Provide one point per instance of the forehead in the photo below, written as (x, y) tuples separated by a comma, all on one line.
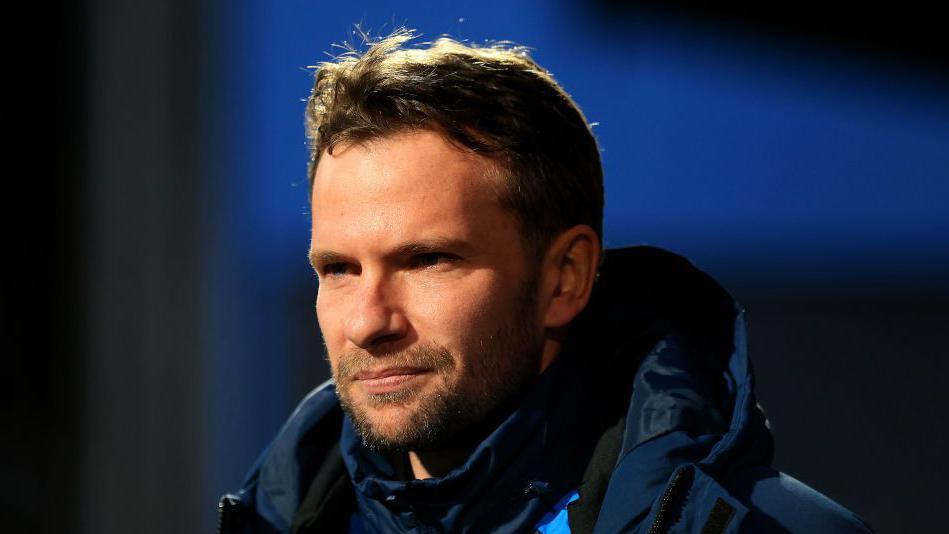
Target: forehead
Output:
[(407, 185)]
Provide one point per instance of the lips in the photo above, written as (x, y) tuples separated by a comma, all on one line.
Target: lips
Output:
[(389, 379), (390, 371)]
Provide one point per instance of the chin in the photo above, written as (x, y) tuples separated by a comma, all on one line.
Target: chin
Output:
[(391, 415), (389, 422)]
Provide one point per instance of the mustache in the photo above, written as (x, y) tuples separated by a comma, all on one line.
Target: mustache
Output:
[(433, 357)]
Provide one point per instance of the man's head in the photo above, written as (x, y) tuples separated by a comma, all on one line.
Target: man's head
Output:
[(457, 199)]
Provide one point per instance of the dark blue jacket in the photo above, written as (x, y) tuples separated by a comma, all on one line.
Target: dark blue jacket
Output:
[(649, 414)]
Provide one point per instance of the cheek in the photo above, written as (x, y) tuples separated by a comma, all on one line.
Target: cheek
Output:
[(330, 326), (458, 316), (321, 317)]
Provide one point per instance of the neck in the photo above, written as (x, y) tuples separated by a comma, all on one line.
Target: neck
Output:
[(435, 464)]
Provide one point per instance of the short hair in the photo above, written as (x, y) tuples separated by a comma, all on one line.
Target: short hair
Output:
[(493, 99)]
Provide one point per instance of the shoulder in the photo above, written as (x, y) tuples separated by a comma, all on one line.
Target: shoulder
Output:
[(278, 481), (778, 502)]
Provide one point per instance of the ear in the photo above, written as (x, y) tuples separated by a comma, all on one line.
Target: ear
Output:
[(569, 269)]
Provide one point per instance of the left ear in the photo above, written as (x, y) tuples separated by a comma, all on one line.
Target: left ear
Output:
[(569, 269)]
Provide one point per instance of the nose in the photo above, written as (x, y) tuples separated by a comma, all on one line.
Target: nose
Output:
[(375, 316)]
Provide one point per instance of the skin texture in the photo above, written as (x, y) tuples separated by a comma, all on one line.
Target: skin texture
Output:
[(431, 312)]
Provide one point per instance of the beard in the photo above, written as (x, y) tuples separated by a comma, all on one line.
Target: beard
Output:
[(499, 366)]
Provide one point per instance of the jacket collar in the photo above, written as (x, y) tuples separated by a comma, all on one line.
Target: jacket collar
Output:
[(692, 415)]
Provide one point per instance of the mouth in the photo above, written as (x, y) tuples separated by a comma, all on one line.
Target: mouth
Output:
[(389, 380)]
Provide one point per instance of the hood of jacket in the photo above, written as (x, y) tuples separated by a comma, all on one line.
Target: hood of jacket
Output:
[(661, 353)]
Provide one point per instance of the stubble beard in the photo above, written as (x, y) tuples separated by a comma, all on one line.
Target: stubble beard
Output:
[(508, 359)]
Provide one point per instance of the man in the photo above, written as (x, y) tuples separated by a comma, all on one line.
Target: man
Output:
[(488, 374)]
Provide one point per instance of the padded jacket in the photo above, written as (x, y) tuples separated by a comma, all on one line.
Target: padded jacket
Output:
[(648, 416)]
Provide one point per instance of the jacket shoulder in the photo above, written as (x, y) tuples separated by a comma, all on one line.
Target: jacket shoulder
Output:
[(277, 483), (778, 502)]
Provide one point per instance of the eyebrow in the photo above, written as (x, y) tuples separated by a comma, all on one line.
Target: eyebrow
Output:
[(432, 245), (325, 257), (423, 246)]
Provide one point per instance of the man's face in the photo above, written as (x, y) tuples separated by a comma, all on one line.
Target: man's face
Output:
[(426, 298)]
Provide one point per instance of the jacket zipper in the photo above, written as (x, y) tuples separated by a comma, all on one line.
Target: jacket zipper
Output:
[(670, 502)]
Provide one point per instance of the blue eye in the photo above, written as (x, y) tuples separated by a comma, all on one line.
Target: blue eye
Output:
[(427, 260), (335, 269), (431, 259)]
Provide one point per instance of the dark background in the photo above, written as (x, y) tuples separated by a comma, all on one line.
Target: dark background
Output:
[(158, 310)]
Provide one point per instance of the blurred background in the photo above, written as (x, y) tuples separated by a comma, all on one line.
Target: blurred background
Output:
[(157, 314)]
